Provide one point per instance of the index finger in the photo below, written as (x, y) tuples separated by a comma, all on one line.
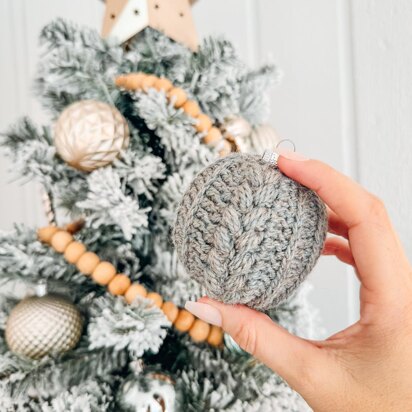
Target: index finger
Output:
[(374, 243)]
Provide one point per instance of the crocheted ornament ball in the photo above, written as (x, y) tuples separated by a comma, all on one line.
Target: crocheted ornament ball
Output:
[(248, 233)]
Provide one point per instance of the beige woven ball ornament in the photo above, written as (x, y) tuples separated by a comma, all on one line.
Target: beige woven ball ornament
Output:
[(42, 325), (90, 134)]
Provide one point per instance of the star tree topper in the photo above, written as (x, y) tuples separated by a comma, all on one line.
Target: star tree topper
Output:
[(126, 18)]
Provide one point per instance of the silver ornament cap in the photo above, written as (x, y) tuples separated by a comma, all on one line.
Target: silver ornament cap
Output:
[(43, 325)]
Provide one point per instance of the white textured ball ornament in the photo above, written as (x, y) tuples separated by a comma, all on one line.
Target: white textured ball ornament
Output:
[(90, 134), (43, 325), (262, 138)]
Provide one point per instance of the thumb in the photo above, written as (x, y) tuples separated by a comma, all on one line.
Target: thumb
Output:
[(294, 359)]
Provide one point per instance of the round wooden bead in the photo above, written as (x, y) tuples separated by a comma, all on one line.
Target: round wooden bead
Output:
[(191, 108), (87, 263), (135, 290), (104, 273), (226, 149), (199, 331), (177, 96), (135, 81), (61, 240), (156, 298), (119, 284), (215, 337), (204, 123), (213, 137), (74, 251), (163, 84), (45, 234), (184, 321), (120, 81), (170, 310), (132, 81), (148, 81)]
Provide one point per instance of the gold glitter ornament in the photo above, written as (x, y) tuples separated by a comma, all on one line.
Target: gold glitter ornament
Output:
[(43, 325), (90, 134)]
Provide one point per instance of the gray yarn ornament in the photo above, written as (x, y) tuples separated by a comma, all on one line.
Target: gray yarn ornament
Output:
[(247, 233)]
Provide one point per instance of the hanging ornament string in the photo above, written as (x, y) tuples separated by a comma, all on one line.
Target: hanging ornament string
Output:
[(48, 207), (118, 284), (212, 136)]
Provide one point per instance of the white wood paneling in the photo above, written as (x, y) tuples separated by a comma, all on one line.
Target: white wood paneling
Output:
[(17, 203), (345, 97), (383, 74)]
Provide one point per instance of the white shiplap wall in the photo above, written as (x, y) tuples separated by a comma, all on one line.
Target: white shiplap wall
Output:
[(345, 97)]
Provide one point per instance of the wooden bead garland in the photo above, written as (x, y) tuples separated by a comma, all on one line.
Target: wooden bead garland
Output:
[(60, 240), (199, 331), (87, 263), (74, 251), (105, 274), (119, 284), (184, 321), (156, 298), (212, 135)]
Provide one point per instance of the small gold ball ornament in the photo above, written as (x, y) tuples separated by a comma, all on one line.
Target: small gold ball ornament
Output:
[(90, 134), (43, 325), (238, 130), (237, 127)]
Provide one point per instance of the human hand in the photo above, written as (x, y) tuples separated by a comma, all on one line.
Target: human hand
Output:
[(368, 366)]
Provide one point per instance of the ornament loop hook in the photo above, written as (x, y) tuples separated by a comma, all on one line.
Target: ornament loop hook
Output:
[(286, 141), (272, 157)]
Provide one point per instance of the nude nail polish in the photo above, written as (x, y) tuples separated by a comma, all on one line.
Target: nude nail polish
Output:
[(205, 312)]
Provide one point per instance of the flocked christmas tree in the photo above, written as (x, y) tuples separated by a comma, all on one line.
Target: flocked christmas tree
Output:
[(123, 171)]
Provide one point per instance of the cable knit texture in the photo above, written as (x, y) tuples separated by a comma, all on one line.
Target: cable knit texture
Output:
[(248, 233)]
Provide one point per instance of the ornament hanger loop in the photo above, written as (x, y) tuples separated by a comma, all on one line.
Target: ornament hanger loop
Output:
[(272, 157), (287, 141)]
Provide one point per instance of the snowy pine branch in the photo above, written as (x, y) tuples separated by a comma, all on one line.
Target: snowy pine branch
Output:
[(106, 203), (48, 378), (23, 257), (138, 327), (77, 64), (92, 396), (141, 174)]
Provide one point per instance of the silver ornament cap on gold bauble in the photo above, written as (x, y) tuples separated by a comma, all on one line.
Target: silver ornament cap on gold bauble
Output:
[(90, 134), (43, 325)]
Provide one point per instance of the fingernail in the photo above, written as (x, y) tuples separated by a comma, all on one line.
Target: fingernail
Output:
[(290, 155), (205, 312)]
